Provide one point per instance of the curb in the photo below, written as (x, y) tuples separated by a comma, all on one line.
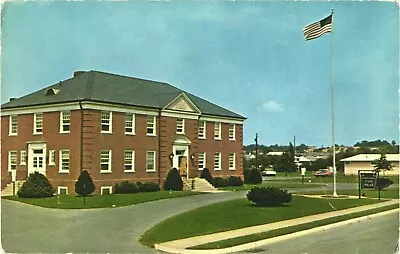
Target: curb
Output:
[(257, 244)]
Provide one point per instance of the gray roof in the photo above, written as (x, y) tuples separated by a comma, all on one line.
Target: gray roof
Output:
[(116, 89)]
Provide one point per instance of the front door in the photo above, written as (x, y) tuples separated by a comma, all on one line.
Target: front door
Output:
[(183, 165), (37, 158)]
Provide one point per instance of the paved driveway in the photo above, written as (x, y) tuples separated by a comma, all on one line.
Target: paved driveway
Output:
[(26, 228)]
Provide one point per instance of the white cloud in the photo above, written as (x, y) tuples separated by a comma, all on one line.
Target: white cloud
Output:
[(272, 106)]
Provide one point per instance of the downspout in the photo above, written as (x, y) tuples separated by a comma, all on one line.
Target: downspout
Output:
[(81, 139), (159, 147)]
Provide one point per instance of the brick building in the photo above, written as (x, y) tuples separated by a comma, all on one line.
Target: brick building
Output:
[(118, 128)]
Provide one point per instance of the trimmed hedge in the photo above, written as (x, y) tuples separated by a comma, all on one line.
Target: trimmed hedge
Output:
[(148, 187), (126, 187), (173, 181), (235, 181), (268, 196), (36, 186), (220, 182), (205, 173)]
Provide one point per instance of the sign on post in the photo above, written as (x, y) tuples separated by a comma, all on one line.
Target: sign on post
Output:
[(368, 180)]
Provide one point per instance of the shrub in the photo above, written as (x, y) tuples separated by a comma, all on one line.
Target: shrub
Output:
[(382, 183), (173, 181), (126, 187), (220, 182), (254, 176), (148, 187), (36, 186), (84, 186), (246, 175), (205, 173), (235, 181), (268, 196)]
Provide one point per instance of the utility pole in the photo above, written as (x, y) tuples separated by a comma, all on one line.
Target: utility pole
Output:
[(256, 139)]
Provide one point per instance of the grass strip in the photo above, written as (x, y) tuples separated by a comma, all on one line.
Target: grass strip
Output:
[(100, 201), (288, 230)]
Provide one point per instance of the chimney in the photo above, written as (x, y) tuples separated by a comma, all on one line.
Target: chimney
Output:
[(12, 98), (76, 73)]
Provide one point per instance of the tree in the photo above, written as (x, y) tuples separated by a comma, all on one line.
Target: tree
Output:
[(84, 186), (393, 142), (173, 181), (286, 163), (382, 164)]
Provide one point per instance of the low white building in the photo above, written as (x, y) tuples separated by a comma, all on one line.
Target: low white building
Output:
[(364, 162)]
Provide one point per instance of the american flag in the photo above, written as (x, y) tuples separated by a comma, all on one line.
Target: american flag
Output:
[(318, 28)]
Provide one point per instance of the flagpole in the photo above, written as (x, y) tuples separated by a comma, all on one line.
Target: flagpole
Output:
[(333, 114)]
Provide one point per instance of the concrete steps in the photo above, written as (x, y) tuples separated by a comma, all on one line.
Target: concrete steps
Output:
[(202, 185), (8, 190)]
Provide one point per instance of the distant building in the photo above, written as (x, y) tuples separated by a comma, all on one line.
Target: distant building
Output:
[(274, 153), (364, 162)]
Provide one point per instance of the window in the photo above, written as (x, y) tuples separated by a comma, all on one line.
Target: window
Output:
[(38, 123), (202, 129), (129, 123), (232, 128), (13, 126), (12, 160), (151, 125), (62, 190), (217, 130), (129, 161), (64, 161), (180, 126), (150, 161), (22, 158), (65, 122), (232, 161), (106, 190), (105, 161), (52, 157), (202, 161), (217, 161), (106, 122)]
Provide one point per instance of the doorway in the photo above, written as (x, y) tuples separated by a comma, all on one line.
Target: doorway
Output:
[(37, 158)]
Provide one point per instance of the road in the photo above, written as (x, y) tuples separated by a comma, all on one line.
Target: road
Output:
[(375, 235)]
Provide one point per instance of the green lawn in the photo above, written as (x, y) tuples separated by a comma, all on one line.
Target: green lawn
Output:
[(239, 213), (288, 230), (370, 193), (284, 185), (100, 201)]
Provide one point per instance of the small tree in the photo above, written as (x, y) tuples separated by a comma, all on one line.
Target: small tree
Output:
[(382, 164), (254, 176), (84, 186), (36, 186), (173, 181)]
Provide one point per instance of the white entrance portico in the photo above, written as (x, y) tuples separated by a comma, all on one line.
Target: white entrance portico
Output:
[(37, 158), (180, 161)]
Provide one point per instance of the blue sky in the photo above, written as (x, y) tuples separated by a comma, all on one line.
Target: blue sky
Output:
[(247, 56)]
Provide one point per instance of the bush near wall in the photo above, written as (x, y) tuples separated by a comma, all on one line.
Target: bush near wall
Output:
[(173, 181), (148, 187), (268, 196), (36, 186), (235, 181), (205, 174), (220, 182), (126, 187)]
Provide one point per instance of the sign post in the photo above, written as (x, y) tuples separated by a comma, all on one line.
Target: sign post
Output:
[(367, 180)]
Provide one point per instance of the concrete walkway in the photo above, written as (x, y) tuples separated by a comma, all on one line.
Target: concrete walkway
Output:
[(180, 246)]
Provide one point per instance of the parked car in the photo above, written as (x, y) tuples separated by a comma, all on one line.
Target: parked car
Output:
[(268, 173), (322, 172)]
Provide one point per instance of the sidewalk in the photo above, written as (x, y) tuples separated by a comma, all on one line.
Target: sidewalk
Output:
[(180, 246)]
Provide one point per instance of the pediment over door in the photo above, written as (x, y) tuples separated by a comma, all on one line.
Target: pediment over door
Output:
[(182, 103)]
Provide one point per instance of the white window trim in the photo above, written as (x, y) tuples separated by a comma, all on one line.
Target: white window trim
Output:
[(234, 132), (133, 124), (234, 161), (61, 122), (204, 130), (133, 162), (60, 170), (220, 162), (204, 161), (59, 188), (154, 159), (183, 126), (109, 162), (154, 127), (219, 131), (9, 160), (34, 123), (102, 188), (109, 124), (10, 133), (52, 161), (22, 158)]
